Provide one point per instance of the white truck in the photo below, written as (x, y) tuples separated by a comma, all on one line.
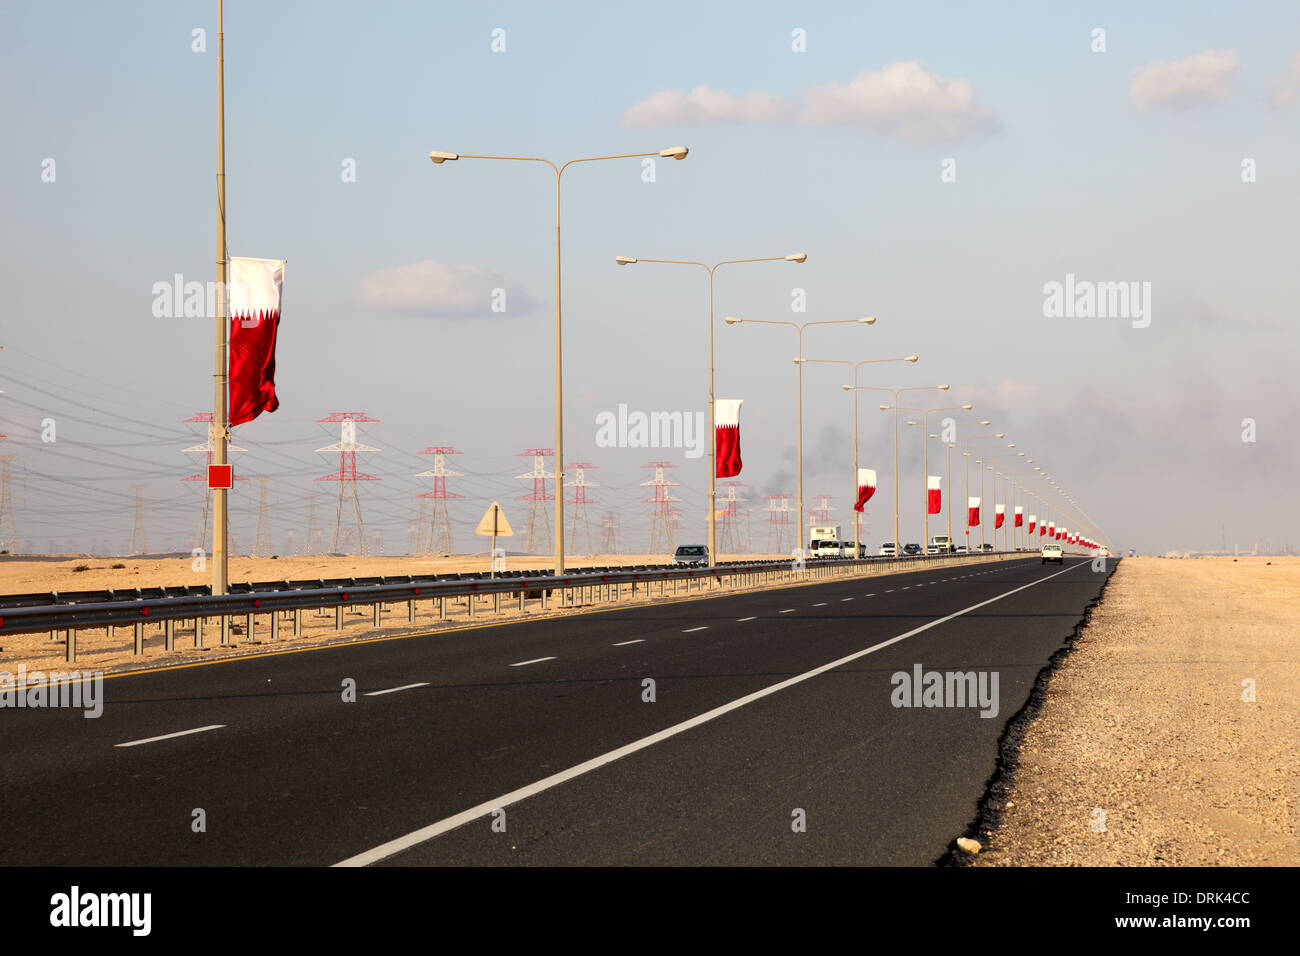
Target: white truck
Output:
[(824, 542), (939, 544)]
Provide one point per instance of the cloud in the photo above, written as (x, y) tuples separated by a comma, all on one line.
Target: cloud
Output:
[(904, 100), (1201, 78), (703, 106), (439, 289), (1287, 91)]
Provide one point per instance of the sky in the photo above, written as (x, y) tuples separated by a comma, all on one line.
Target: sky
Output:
[(941, 165)]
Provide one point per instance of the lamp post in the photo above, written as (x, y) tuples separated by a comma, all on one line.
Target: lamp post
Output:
[(966, 455), (439, 157), (857, 546), (950, 444), (992, 463), (898, 548), (798, 360), (925, 424), (713, 450)]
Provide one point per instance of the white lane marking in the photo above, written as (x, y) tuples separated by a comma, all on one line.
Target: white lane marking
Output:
[(179, 733), (872, 594), (820, 604), (535, 660), (424, 834), (907, 587), (786, 611), (692, 630), (394, 690), (742, 620), (890, 591), (639, 640), (842, 600)]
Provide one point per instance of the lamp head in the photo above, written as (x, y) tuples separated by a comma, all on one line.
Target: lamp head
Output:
[(868, 320), (732, 320), (439, 156), (625, 260), (797, 257), (674, 152)]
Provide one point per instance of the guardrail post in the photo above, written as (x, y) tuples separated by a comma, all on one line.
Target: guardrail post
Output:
[(225, 630), (410, 611), (522, 595), (338, 617), (198, 633), (275, 626), (543, 599), (70, 649), (442, 608), (496, 602), (169, 635), (470, 601), (297, 622), (138, 649), (248, 628), (378, 609)]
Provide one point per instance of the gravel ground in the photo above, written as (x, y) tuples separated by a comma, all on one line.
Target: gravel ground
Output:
[(1145, 751)]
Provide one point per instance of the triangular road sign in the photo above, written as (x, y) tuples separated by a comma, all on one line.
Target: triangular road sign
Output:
[(494, 523)]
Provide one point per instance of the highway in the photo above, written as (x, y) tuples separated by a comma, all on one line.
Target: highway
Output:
[(770, 708)]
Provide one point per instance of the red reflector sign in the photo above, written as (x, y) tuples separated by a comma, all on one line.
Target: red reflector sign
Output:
[(221, 476)]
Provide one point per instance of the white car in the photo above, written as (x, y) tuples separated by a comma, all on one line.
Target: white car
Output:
[(888, 550), (1053, 552)]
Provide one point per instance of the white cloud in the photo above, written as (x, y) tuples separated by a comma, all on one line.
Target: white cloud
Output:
[(1204, 77), (437, 288), (704, 105), (1287, 91), (902, 99)]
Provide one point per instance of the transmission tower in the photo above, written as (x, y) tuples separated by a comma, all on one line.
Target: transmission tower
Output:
[(207, 449), (263, 547), (609, 533), (728, 520), (139, 544), (435, 535), (822, 513), (580, 484), (661, 515), (532, 543), (347, 477), (778, 524), (315, 542), (290, 546), (8, 526)]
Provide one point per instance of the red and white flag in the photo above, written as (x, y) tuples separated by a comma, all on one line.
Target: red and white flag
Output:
[(726, 436), (1051, 528), (866, 487), (1020, 516), (1042, 530), (934, 497), (999, 516), (255, 286), (1033, 520), (972, 512)]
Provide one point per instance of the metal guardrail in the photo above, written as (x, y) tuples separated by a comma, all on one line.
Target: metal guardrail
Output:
[(167, 610)]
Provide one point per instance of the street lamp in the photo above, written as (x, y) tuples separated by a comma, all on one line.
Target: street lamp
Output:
[(856, 365), (898, 548), (713, 451), (439, 157), (798, 327), (925, 424)]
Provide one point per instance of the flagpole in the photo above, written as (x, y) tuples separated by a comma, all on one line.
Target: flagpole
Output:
[(220, 517)]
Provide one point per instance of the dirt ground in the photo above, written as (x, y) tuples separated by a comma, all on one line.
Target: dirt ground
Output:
[(99, 650), (1170, 735)]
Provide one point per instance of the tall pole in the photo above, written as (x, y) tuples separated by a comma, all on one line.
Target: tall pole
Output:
[(857, 524), (898, 546), (713, 443), (799, 437), (983, 506), (220, 516), (950, 542), (559, 399), (925, 458)]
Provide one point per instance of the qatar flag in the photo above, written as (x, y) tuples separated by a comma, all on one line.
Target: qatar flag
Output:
[(866, 487), (255, 286), (726, 436), (1033, 520), (1020, 516), (934, 496), (1042, 530), (972, 512), (999, 516)]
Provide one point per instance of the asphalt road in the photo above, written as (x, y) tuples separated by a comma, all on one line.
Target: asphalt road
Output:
[(770, 709)]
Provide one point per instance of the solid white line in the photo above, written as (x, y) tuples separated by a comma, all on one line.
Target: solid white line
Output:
[(742, 620), (179, 733), (842, 600), (394, 690), (821, 604), (639, 640), (535, 660), (692, 630), (890, 591), (424, 834), (872, 594), (786, 611)]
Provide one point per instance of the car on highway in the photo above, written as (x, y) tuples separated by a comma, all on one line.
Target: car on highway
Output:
[(691, 554), (986, 547), (960, 549), (911, 549), (887, 550), (1053, 552)]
